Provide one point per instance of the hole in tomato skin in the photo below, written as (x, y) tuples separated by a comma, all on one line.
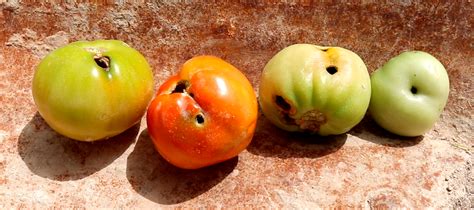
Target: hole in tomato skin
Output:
[(181, 87), (102, 61), (324, 50), (331, 69), (413, 90), (199, 119), (281, 102)]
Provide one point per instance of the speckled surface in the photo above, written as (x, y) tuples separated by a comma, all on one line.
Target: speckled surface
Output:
[(366, 167)]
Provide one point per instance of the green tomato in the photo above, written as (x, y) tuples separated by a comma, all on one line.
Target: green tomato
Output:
[(323, 90), (409, 93), (92, 90)]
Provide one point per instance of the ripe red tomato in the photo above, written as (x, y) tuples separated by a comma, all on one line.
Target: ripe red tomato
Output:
[(204, 115)]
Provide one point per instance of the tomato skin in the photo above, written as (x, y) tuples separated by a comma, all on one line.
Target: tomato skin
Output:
[(209, 121), (84, 101), (394, 104), (315, 89)]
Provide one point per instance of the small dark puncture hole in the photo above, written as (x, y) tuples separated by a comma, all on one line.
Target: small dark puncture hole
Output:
[(191, 94), (181, 87), (102, 61), (199, 119), (324, 50), (413, 90), (331, 69), (281, 102)]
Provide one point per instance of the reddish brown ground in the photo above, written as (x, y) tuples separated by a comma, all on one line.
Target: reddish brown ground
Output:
[(367, 167)]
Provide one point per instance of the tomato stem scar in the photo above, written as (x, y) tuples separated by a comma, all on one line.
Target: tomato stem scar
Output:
[(102, 61), (181, 87), (414, 90), (331, 69)]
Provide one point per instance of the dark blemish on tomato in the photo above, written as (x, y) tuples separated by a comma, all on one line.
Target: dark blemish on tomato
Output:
[(199, 119), (331, 69), (281, 102), (102, 61), (181, 86), (413, 90)]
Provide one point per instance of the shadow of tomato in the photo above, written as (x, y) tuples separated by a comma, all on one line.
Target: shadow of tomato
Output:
[(157, 180), (53, 156), (369, 130), (270, 141)]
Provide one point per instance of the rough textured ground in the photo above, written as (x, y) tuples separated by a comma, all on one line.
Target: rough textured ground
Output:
[(366, 167)]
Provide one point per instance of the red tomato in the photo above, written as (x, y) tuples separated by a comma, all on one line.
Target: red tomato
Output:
[(204, 115)]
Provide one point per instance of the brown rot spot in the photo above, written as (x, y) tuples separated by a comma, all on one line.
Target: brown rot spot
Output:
[(311, 121), (281, 102), (200, 119), (414, 90), (331, 69), (181, 86), (102, 61)]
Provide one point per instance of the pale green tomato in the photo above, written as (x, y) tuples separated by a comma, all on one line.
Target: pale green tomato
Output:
[(92, 90), (324, 90), (409, 93)]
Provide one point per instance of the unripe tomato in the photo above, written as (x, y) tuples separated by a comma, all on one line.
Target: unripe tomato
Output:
[(93, 90), (204, 115), (409, 93), (323, 90)]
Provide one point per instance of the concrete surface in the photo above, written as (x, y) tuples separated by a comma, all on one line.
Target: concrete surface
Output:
[(366, 168)]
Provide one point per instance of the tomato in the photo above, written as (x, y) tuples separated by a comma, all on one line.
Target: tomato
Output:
[(323, 90), (204, 115), (409, 93), (92, 90)]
